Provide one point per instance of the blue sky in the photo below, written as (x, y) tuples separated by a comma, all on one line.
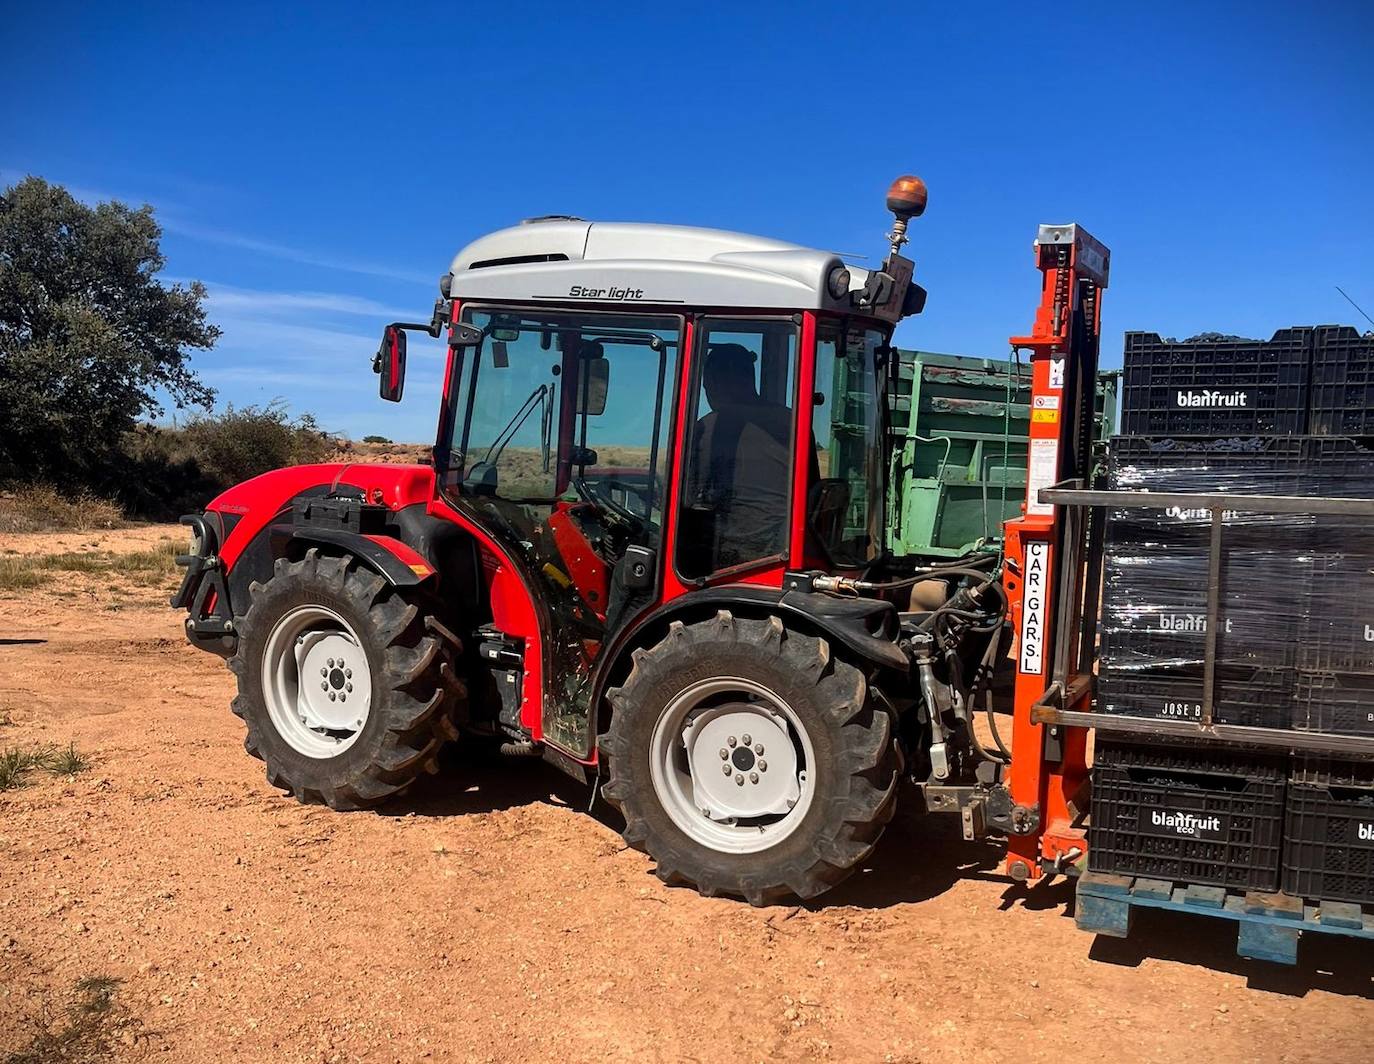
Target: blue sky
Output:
[(317, 167)]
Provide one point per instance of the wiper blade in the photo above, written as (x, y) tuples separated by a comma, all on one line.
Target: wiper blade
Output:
[(538, 397)]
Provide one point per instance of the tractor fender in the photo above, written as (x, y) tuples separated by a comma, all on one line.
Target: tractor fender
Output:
[(866, 628), (396, 562)]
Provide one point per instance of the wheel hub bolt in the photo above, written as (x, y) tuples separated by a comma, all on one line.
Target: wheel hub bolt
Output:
[(348, 687), (330, 663), (348, 673), (758, 748), (332, 696), (747, 740), (324, 685), (731, 741), (753, 777), (324, 672), (763, 766), (724, 753), (725, 769), (343, 697), (739, 781)]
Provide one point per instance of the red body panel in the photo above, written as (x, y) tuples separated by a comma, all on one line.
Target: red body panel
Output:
[(408, 555), (513, 612), (261, 499)]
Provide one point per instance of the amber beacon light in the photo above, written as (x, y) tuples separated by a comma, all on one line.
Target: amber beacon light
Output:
[(906, 199)]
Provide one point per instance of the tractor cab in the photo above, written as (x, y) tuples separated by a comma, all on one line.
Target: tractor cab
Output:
[(638, 413)]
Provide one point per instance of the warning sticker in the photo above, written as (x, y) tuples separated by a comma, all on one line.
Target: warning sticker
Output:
[(1033, 608), (1043, 473), (1057, 373), (1050, 417)]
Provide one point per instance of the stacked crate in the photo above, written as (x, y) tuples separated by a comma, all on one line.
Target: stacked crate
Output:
[(1154, 622), (1329, 826), (1328, 850), (1295, 639)]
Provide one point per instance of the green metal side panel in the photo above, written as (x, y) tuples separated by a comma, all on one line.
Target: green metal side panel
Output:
[(958, 433)]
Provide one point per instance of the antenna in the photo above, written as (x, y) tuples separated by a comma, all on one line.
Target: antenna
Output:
[(1355, 305)]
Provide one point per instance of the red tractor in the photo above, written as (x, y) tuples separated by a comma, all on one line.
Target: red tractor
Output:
[(649, 548)]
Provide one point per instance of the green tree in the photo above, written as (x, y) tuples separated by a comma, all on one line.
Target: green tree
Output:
[(89, 337)]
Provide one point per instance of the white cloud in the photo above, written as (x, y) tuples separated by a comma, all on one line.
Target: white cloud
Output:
[(242, 302), (282, 251), (173, 222)]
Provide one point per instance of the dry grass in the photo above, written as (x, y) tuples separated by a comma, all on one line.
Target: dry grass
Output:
[(85, 1029), (42, 508), (18, 574), (149, 567)]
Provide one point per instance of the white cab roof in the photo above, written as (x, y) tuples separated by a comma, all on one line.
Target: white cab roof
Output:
[(566, 260)]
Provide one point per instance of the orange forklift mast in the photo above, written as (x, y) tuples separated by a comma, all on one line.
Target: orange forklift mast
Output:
[(1053, 605)]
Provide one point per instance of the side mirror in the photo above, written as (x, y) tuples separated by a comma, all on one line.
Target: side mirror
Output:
[(390, 363), (595, 380)]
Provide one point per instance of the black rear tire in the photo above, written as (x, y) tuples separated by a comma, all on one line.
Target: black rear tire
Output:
[(850, 727), (415, 690)]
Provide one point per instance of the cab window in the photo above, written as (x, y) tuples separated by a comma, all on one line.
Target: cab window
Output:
[(737, 475), (844, 500)]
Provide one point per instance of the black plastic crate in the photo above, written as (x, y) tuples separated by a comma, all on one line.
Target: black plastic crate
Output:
[(1154, 606), (1250, 465), (1328, 851), (1342, 383), (1260, 698), (1335, 703), (1306, 466), (1216, 387), (1187, 814), (1337, 627)]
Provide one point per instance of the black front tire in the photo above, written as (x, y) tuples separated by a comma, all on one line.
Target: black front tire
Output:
[(414, 687), (850, 726)]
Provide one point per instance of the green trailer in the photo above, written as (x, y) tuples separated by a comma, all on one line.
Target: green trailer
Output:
[(958, 431)]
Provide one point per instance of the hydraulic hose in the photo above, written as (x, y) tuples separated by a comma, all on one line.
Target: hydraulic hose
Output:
[(986, 668), (842, 583)]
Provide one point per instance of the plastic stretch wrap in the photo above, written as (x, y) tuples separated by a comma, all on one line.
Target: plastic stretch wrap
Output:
[(1296, 591)]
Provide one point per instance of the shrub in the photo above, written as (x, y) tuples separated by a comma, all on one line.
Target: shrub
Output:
[(162, 472), (241, 443), (42, 508), (376, 439), (167, 472)]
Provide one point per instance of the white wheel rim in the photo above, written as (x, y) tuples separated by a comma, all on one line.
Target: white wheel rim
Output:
[(747, 800), (316, 682)]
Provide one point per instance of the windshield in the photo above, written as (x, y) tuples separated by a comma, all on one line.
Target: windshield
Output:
[(551, 403), (845, 504)]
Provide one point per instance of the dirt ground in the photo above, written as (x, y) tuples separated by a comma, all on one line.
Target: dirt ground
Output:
[(491, 917)]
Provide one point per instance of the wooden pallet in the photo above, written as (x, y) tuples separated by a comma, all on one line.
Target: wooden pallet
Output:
[(1268, 925)]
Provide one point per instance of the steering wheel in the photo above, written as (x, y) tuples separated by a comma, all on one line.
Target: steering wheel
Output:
[(623, 514)]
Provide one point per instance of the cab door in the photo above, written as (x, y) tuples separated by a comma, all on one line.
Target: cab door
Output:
[(738, 476)]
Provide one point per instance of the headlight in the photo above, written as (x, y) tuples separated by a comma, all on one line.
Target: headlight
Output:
[(838, 283)]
